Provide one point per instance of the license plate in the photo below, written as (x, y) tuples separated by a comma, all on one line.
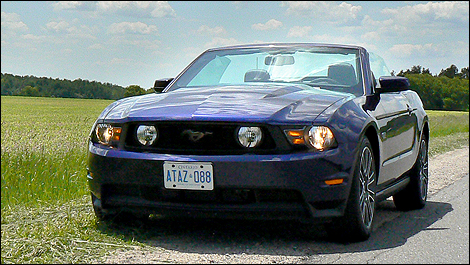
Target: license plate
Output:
[(188, 176)]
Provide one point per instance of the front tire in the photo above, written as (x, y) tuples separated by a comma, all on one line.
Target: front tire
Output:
[(414, 196), (356, 224)]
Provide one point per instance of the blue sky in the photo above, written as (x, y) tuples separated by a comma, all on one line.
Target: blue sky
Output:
[(134, 43)]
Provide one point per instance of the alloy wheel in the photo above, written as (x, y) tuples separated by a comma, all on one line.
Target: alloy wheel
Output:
[(366, 184), (423, 170)]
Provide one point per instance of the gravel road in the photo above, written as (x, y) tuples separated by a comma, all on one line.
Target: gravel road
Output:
[(264, 242)]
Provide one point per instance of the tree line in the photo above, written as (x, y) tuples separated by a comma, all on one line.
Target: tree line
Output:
[(14, 85), (447, 90)]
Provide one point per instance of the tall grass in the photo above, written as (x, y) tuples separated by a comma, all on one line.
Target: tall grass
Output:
[(43, 148), (448, 130), (442, 123), (66, 234)]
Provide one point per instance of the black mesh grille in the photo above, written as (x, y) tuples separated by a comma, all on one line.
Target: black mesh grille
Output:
[(219, 196), (214, 138)]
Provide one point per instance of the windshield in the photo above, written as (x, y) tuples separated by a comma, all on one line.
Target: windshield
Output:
[(335, 69)]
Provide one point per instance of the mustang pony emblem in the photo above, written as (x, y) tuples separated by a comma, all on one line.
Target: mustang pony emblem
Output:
[(195, 136)]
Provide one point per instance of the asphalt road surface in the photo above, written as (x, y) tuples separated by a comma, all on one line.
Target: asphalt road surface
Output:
[(439, 233)]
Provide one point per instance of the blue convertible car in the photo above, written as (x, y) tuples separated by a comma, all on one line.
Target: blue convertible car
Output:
[(306, 132)]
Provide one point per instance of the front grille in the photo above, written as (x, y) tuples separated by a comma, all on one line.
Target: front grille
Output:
[(218, 138), (231, 196)]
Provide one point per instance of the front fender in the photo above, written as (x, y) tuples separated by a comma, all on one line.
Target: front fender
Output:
[(349, 123)]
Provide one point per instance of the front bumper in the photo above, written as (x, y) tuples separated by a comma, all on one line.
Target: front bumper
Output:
[(288, 186)]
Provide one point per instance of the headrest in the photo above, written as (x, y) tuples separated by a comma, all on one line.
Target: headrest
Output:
[(343, 73), (257, 75)]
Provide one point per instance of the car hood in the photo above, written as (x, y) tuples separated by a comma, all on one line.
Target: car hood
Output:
[(254, 103)]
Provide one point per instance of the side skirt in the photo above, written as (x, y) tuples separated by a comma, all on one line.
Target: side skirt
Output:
[(393, 188)]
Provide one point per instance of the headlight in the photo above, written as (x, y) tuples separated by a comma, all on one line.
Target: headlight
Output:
[(317, 137), (106, 133), (320, 137), (250, 137), (147, 134)]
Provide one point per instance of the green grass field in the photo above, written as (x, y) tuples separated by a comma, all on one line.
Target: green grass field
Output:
[(44, 148), (46, 210), (448, 130)]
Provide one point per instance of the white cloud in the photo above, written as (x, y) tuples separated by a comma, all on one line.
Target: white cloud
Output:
[(371, 36), (298, 31), (435, 56), (83, 32), (123, 42), (270, 25), (431, 11), (61, 26), (206, 30), (419, 50), (12, 22), (31, 37), (74, 5), (324, 10), (406, 50), (126, 8), (132, 27), (137, 8), (163, 9), (68, 31), (369, 22), (421, 21)]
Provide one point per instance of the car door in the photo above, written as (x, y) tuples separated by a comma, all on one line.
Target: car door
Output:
[(398, 127)]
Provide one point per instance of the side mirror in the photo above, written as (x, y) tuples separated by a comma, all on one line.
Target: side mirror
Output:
[(160, 84), (392, 84)]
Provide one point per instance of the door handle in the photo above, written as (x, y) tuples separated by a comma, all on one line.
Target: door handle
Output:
[(410, 110)]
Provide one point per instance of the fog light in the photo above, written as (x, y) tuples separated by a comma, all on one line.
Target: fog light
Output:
[(147, 135), (250, 137)]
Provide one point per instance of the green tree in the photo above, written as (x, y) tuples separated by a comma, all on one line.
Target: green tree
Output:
[(134, 90), (464, 73), (450, 72), (48, 87), (441, 93), (415, 69), (30, 91), (426, 71)]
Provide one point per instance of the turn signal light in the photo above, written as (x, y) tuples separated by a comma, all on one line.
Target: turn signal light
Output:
[(334, 181)]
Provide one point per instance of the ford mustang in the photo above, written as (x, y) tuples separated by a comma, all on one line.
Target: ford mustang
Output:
[(293, 131)]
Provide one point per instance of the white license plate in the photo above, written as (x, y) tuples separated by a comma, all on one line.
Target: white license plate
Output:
[(188, 175)]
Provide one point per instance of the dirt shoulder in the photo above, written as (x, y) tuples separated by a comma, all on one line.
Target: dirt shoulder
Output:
[(445, 169)]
